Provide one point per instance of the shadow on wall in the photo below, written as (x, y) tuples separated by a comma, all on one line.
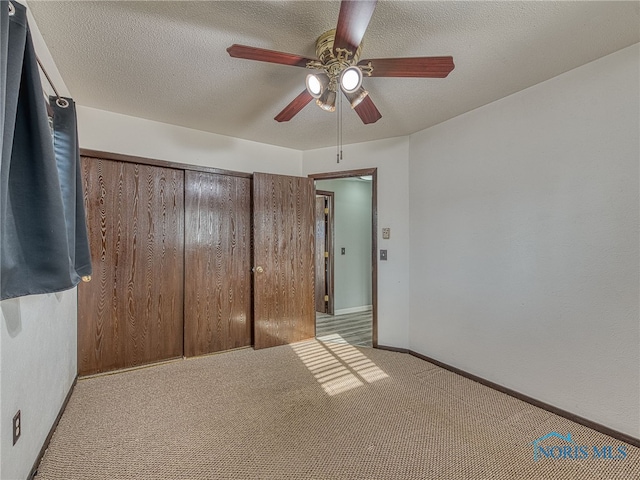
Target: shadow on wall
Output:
[(12, 313), (12, 316)]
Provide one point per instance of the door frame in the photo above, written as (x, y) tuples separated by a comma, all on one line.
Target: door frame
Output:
[(374, 230)]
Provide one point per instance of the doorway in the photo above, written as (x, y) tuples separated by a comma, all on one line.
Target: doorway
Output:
[(346, 266)]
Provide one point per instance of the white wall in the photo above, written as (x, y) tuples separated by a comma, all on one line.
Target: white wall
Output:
[(524, 241), (352, 231), (116, 133), (38, 345), (390, 156)]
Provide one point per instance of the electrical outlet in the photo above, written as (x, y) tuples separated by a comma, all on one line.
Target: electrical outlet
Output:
[(386, 233), (17, 427)]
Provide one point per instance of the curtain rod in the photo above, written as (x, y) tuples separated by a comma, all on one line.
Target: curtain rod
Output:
[(55, 90), (60, 101)]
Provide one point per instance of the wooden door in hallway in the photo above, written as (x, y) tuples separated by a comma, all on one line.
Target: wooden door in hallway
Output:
[(283, 223), (217, 309), (131, 312), (324, 252), (321, 242)]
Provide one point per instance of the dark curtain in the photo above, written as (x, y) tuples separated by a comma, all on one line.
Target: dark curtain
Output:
[(43, 235)]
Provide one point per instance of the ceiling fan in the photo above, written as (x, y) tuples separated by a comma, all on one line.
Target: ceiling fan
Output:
[(340, 67)]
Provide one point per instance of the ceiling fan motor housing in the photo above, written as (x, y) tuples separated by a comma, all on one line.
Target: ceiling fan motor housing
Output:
[(332, 64), (324, 48)]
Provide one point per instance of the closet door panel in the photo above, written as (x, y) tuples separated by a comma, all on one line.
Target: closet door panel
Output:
[(284, 258), (217, 262), (131, 312)]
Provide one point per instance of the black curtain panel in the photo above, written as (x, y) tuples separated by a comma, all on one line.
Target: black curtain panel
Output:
[(67, 152), (44, 246), (4, 49)]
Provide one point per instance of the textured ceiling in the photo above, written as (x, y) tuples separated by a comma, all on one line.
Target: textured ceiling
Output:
[(167, 61)]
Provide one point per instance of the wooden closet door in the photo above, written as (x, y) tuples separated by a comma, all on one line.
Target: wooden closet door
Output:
[(217, 263), (284, 249), (131, 311)]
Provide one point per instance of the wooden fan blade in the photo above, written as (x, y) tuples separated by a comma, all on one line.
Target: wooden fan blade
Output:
[(294, 107), (367, 111), (352, 23), (422, 67), (270, 56)]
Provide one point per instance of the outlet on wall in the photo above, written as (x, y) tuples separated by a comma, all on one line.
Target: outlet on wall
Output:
[(17, 427)]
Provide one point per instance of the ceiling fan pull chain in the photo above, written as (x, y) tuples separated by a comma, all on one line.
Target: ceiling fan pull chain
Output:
[(338, 131), (341, 126)]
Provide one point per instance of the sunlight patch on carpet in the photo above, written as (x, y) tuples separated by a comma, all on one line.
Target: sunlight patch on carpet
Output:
[(358, 362), (337, 366)]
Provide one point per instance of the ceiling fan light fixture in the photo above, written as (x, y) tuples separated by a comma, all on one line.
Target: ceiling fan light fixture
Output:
[(316, 84), (356, 97), (327, 101), (351, 79)]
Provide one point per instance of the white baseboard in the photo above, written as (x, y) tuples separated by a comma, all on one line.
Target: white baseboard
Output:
[(344, 311)]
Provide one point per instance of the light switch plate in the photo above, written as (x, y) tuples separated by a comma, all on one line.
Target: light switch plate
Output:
[(386, 233), (17, 427), (383, 254)]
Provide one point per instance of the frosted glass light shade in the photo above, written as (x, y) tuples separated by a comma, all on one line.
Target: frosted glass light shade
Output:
[(351, 79), (314, 86)]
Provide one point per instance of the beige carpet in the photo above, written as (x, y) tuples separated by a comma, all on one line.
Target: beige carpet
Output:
[(310, 411)]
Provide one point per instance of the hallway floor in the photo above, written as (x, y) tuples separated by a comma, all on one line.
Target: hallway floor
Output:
[(351, 328)]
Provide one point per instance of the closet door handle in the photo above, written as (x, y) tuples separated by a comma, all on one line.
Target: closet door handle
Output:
[(257, 269)]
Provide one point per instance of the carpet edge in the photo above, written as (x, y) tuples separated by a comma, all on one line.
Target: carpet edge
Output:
[(45, 444)]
